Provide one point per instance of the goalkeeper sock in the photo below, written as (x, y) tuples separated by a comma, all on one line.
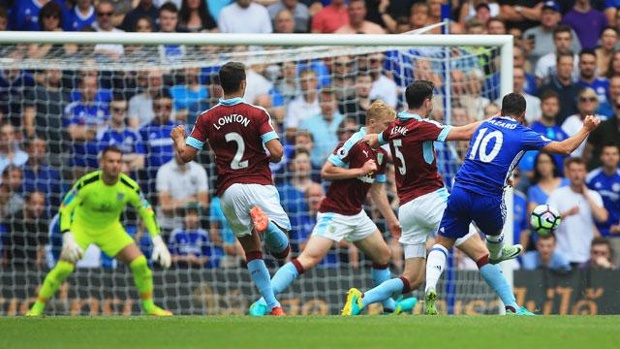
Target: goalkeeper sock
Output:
[(380, 274), (143, 278), (495, 245), (384, 291), (260, 276), (276, 241), (493, 276), (53, 280), (435, 265)]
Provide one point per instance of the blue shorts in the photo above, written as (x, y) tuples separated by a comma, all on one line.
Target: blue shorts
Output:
[(464, 206)]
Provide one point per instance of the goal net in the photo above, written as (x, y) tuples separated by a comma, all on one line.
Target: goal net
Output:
[(65, 96)]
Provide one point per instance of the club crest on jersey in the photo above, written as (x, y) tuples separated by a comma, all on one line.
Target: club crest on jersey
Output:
[(379, 158), (120, 196), (342, 152)]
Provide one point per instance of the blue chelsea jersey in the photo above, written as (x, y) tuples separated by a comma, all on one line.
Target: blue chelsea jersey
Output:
[(494, 150)]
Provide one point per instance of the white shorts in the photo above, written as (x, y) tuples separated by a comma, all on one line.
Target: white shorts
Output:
[(336, 227), (420, 219), (238, 200)]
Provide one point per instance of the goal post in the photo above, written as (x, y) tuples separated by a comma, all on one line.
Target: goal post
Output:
[(105, 287)]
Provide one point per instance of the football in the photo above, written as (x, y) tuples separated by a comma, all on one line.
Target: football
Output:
[(545, 219)]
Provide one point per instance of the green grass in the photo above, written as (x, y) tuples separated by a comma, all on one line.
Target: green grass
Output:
[(541, 332)]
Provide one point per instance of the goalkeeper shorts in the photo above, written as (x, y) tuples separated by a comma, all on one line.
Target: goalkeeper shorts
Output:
[(111, 240)]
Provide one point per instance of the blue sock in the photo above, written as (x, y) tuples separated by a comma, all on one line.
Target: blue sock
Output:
[(260, 276), (383, 291), (276, 240), (493, 276), (282, 279), (379, 276)]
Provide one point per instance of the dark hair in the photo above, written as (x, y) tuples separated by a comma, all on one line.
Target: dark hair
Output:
[(601, 240), (537, 175), (546, 236), (146, 18), (559, 56), (573, 160), (3, 13), (610, 144), (231, 74), (587, 51), (29, 195), (513, 104), (298, 151), (562, 29), (549, 94), (170, 7), (110, 149), (11, 168), (203, 13), (49, 9), (163, 93), (417, 92)]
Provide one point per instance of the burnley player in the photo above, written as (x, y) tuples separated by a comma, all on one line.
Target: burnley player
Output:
[(355, 169), (422, 196), (238, 134), (494, 150)]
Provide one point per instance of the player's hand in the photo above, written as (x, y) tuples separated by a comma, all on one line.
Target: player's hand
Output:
[(160, 252), (395, 229), (591, 122), (369, 167), (372, 140), (178, 133), (71, 251)]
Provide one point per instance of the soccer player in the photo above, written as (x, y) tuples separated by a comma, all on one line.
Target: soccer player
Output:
[(494, 150), (89, 215), (423, 197), (238, 133), (355, 169)]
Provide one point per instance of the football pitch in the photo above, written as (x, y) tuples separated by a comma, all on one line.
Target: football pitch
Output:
[(313, 332)]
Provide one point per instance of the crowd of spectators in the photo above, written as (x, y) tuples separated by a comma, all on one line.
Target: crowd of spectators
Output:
[(54, 121)]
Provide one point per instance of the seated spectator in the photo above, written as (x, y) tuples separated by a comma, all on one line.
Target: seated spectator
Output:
[(383, 87), (25, 14), (145, 8), (189, 92), (587, 104), (547, 65), (562, 84), (306, 104), (194, 17), (141, 105), (4, 19), (589, 78), (601, 255), (546, 179), (51, 99), (16, 99), (82, 15), (521, 16), (355, 107), (103, 24), (330, 17), (169, 23), (606, 181), (357, 20), (51, 19), (245, 16), (545, 256), (323, 127), (532, 111), (580, 208), (604, 53), (10, 152), (191, 246), (39, 176), (24, 245), (607, 132), (178, 184), (11, 185), (343, 76), (298, 10), (587, 22), (118, 134)]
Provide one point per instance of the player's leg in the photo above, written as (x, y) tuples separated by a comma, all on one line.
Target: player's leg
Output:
[(58, 275), (236, 203), (475, 249), (327, 231), (375, 248), (271, 221), (489, 214)]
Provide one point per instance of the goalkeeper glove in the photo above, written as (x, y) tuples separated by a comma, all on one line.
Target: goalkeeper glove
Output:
[(160, 252), (71, 251)]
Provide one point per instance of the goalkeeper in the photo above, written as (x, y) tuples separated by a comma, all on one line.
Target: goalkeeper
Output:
[(89, 214)]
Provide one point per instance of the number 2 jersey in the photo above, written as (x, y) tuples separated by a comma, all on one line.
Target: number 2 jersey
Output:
[(236, 132), (494, 150), (346, 196)]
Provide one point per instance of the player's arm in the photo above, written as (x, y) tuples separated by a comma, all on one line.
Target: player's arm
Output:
[(567, 146), (187, 152), (459, 133), (379, 197), (71, 251), (276, 150), (144, 208)]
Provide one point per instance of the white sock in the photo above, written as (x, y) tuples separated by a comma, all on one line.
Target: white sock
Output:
[(495, 245), (435, 264)]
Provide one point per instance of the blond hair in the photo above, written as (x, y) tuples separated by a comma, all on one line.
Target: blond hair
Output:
[(380, 111)]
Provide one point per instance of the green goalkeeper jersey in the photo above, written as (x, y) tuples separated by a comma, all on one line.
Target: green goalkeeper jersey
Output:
[(95, 205)]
